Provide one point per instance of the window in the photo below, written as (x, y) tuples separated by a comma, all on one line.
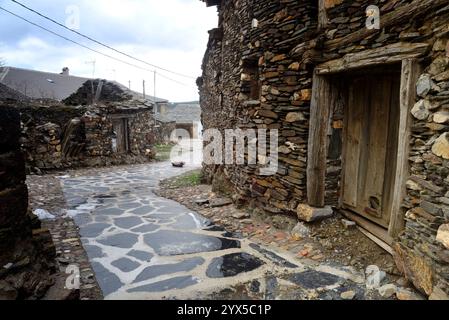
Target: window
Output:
[(250, 79)]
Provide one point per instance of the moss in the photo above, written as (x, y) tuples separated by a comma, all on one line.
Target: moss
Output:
[(189, 179), (163, 151)]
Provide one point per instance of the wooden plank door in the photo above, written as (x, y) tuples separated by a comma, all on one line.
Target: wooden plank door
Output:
[(371, 146), (120, 131)]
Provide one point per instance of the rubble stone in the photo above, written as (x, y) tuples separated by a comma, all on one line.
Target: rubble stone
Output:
[(443, 235), (441, 146), (388, 290), (421, 110), (374, 277), (310, 214)]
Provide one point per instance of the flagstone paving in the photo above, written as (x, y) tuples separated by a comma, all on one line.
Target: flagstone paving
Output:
[(143, 246)]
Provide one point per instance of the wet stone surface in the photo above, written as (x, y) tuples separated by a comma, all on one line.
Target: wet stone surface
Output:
[(312, 279), (143, 246), (232, 264)]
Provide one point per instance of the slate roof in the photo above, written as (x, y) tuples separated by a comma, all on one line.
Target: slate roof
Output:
[(45, 85), (40, 85), (181, 113), (7, 93)]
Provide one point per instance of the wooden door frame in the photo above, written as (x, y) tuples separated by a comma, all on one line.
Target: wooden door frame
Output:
[(323, 96)]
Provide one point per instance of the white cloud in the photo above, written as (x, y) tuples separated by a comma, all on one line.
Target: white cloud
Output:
[(170, 33)]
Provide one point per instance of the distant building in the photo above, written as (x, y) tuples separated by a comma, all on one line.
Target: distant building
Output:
[(187, 116)]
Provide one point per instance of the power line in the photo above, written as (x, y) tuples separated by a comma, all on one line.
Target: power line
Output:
[(86, 47), (100, 43)]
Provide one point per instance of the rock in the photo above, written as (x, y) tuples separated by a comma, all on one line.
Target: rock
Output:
[(443, 235), (402, 282), (438, 65), (438, 294), (416, 268), (240, 215), (294, 116), (300, 231), (310, 214), (220, 202), (374, 277), (347, 224), (388, 290), (441, 117), (267, 114), (421, 110), (7, 292), (408, 295), (348, 295), (443, 76), (424, 85), (306, 94), (294, 66), (201, 202), (59, 291), (284, 150), (412, 185), (279, 57), (441, 146)]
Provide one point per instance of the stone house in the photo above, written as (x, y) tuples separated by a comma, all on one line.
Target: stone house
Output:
[(185, 115), (99, 127), (362, 112)]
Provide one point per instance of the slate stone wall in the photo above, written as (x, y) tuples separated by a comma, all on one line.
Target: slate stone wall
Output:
[(285, 41), (59, 136), (26, 250)]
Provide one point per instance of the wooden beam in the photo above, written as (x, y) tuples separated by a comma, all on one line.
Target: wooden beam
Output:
[(322, 15), (322, 97), (399, 16), (376, 240), (369, 226), (410, 72), (392, 53)]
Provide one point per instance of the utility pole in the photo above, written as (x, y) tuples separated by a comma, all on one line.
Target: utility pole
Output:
[(129, 84), (144, 89), (154, 97), (93, 63)]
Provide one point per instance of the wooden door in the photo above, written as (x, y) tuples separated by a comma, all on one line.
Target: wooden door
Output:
[(372, 120), (121, 130)]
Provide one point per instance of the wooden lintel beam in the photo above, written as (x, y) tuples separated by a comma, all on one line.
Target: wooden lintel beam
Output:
[(392, 53)]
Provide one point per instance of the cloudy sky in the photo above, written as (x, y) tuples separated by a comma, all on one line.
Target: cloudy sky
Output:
[(171, 34)]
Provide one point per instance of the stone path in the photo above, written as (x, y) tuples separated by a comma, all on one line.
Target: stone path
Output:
[(142, 246)]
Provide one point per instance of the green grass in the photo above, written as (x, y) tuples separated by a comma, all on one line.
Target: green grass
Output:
[(189, 179), (163, 151)]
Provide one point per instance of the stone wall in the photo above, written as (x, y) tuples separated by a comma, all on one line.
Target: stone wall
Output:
[(26, 250), (59, 136), (285, 92), (162, 134), (276, 45)]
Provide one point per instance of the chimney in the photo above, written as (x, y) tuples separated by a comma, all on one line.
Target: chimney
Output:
[(65, 71)]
